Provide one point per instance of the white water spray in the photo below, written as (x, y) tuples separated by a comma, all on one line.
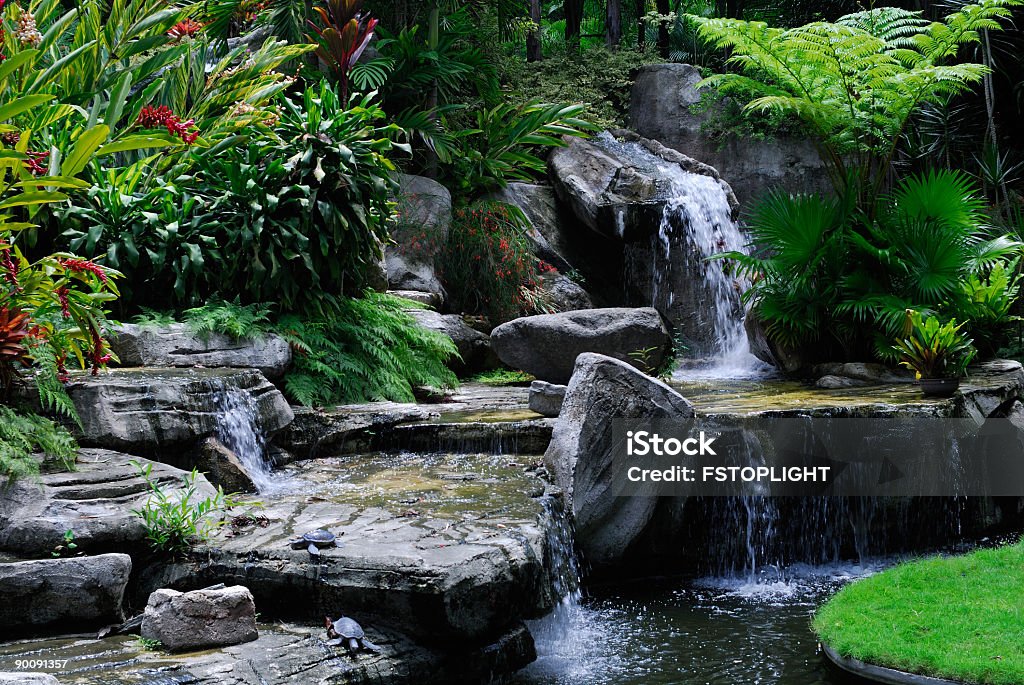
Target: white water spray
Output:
[(238, 429)]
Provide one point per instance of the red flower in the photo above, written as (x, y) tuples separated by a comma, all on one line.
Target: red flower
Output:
[(62, 295), (185, 29), (10, 268), (35, 160), (84, 266), (154, 117)]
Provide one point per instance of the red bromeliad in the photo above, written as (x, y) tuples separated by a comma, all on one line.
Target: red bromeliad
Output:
[(186, 28), (84, 266)]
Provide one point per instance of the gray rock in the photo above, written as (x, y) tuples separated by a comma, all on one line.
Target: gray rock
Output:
[(223, 467), (838, 382), (425, 206), (546, 398), (95, 503), (661, 109), (582, 452), (563, 294), (63, 594), (432, 300), (166, 411), (474, 347), (27, 678), (177, 346), (762, 347), (865, 373), (547, 345), (184, 621), (539, 205)]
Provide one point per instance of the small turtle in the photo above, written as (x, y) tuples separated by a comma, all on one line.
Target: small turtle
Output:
[(345, 631), (315, 540)]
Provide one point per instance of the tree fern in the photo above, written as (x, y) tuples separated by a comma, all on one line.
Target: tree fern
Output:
[(22, 435)]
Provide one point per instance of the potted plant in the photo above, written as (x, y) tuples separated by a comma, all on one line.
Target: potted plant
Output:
[(937, 352)]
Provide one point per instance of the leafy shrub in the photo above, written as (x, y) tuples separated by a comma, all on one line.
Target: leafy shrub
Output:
[(933, 349), (487, 264), (836, 283), (364, 349), (24, 434), (503, 377), (174, 523), (597, 76), (283, 219)]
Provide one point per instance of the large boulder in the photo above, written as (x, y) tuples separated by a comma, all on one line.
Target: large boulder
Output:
[(563, 294), (474, 347), (425, 215), (94, 502), (662, 108), (214, 617), (167, 412), (178, 345), (62, 594), (583, 452), (547, 345), (546, 398)]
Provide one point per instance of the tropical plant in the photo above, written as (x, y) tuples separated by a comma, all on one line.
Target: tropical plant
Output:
[(23, 434), (342, 35), (174, 523), (487, 263), (362, 349), (933, 349), (835, 281), (238, 321), (857, 82)]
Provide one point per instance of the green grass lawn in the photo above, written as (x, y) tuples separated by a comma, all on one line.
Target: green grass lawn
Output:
[(954, 617)]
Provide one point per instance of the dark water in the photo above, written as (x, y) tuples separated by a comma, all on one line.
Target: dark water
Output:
[(692, 632)]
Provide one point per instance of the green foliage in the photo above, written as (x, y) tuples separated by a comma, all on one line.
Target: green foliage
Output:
[(364, 349), (285, 216), (933, 349), (499, 378), (599, 77), (23, 434), (248, 321), (67, 545), (487, 264), (175, 522), (836, 282), (856, 82)]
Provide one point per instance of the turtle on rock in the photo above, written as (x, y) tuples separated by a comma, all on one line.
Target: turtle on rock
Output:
[(345, 631), (315, 540)]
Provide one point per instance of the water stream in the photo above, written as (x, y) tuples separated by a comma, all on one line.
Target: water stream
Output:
[(238, 429)]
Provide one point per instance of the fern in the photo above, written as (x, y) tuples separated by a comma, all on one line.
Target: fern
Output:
[(22, 435), (153, 319), (250, 321), (857, 82), (47, 374), (364, 349)]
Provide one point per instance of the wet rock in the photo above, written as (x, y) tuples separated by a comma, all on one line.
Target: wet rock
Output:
[(95, 503), (988, 388), (64, 594), (27, 678), (546, 230), (864, 373), (284, 654), (425, 206), (662, 100), (547, 345), (223, 467), (768, 351), (474, 347), (448, 562), (178, 346), (546, 398), (167, 411), (184, 621), (583, 454)]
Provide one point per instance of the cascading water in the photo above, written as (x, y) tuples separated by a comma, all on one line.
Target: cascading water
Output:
[(238, 429)]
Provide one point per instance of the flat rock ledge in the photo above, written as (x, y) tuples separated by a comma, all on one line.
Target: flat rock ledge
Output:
[(146, 411), (880, 674)]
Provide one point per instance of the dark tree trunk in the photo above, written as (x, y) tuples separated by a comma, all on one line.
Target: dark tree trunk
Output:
[(613, 24), (664, 8), (641, 26), (573, 22), (534, 51)]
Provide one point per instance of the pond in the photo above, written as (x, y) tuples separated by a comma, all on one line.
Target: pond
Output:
[(714, 631)]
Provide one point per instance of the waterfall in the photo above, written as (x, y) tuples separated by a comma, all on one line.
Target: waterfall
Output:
[(238, 429)]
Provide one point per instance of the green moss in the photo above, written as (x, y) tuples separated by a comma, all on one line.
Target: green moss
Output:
[(954, 617), (503, 377)]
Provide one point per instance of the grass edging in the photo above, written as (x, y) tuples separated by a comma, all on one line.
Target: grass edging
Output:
[(957, 618)]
